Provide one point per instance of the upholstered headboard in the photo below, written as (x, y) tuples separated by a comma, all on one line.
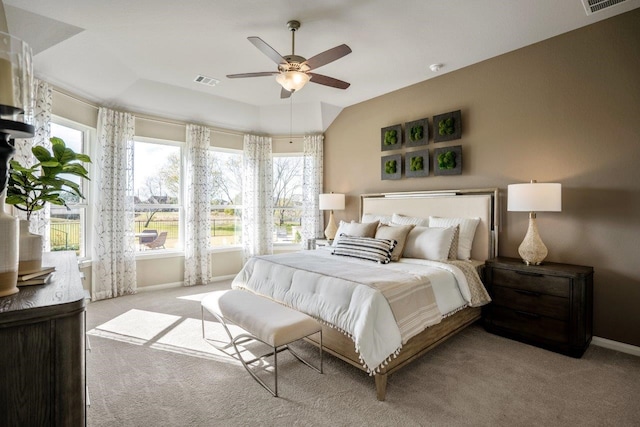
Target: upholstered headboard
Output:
[(480, 203)]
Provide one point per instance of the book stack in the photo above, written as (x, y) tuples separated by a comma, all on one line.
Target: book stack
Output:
[(40, 277)]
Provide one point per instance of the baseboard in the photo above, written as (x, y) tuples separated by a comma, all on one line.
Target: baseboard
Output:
[(179, 284), (617, 346), (159, 287)]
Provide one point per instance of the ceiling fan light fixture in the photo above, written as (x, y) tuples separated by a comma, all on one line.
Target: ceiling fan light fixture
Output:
[(292, 80)]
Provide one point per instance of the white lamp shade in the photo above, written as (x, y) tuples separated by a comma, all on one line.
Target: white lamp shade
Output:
[(534, 197), (292, 80), (331, 202)]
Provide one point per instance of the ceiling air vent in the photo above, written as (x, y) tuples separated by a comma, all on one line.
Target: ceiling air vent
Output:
[(593, 6), (208, 81)]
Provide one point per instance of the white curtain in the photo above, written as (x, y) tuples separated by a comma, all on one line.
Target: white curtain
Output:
[(198, 188), (312, 220), (113, 252), (257, 197), (39, 223)]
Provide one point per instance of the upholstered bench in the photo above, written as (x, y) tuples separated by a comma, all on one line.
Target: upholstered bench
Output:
[(264, 320)]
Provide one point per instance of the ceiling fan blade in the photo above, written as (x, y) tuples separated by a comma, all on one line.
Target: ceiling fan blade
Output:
[(267, 50), (328, 81), (260, 74), (284, 94), (327, 56)]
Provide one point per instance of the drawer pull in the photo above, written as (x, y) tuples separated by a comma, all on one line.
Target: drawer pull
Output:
[(527, 273), (527, 315), (529, 293)]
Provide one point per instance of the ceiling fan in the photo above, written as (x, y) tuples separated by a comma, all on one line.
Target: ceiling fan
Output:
[(295, 71)]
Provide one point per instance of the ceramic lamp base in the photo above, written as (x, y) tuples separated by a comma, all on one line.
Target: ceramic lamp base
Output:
[(332, 229), (532, 250)]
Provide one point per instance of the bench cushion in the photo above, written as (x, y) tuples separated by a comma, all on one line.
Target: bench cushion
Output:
[(266, 319)]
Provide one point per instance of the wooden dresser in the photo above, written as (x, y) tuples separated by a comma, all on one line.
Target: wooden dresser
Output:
[(548, 305), (42, 350)]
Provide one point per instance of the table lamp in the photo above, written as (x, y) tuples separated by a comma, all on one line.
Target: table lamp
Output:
[(330, 202), (533, 197)]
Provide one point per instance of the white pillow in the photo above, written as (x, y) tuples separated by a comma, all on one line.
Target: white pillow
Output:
[(467, 232), (384, 219), (429, 243), (407, 220), (356, 229)]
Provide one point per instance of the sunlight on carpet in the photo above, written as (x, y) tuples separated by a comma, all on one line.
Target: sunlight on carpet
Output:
[(176, 334), (195, 297)]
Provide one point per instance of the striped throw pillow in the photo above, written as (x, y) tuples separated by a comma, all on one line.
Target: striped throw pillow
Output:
[(369, 248)]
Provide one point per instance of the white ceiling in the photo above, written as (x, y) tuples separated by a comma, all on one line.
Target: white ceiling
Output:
[(143, 55)]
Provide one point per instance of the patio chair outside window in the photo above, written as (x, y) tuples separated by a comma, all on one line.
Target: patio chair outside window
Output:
[(148, 236), (158, 242)]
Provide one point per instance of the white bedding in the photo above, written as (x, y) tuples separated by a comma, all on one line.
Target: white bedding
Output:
[(347, 294)]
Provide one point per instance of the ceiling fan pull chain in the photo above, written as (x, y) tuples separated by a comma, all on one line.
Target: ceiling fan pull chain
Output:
[(291, 120)]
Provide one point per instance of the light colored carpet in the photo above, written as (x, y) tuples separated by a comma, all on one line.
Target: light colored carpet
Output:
[(150, 367)]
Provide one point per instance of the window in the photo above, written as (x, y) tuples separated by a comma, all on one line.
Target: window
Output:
[(68, 228), (287, 198), (157, 171), (226, 198)]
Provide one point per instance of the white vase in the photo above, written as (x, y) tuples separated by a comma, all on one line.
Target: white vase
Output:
[(30, 250), (8, 251)]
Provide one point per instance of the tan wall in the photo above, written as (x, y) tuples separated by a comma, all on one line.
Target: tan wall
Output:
[(564, 110)]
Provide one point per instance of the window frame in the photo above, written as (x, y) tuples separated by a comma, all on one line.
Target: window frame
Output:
[(88, 148), (237, 246), (162, 253), (291, 244)]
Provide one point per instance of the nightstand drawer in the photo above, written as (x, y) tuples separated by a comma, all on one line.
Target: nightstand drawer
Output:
[(539, 283), (530, 325), (532, 302)]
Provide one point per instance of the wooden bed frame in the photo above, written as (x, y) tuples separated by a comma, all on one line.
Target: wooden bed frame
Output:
[(481, 203)]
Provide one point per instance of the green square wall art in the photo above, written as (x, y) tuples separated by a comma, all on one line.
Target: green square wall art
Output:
[(416, 133), (391, 167), (447, 127), (416, 164), (391, 138), (447, 160)]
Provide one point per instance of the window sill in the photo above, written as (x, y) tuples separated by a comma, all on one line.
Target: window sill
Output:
[(158, 254)]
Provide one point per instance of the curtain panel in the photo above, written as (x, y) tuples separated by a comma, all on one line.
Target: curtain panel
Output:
[(43, 97), (257, 197), (198, 189), (312, 174), (113, 251)]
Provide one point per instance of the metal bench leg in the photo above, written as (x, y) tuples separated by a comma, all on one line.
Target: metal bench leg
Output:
[(247, 337)]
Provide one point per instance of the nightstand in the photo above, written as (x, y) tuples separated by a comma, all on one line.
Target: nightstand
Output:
[(548, 305), (323, 242)]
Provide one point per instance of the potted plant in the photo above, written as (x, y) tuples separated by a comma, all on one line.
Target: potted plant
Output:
[(31, 188)]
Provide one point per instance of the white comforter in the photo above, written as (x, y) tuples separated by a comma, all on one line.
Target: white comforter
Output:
[(347, 294)]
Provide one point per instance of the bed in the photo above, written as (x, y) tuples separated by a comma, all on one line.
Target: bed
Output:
[(364, 306)]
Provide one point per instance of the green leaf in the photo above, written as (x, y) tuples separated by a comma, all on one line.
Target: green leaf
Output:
[(50, 164), (56, 141), (68, 155), (76, 169), (41, 153), (83, 158)]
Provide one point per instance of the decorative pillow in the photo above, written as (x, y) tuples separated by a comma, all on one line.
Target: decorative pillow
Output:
[(356, 229), (467, 232), (453, 250), (395, 232), (429, 243), (369, 248), (384, 219), (406, 220)]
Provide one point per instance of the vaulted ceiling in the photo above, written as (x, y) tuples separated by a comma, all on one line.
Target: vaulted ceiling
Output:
[(144, 55)]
